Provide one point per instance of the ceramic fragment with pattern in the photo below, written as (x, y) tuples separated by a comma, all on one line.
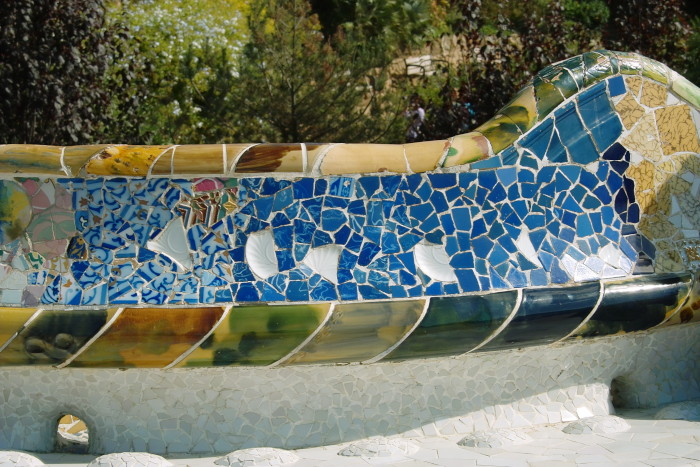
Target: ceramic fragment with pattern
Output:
[(580, 197)]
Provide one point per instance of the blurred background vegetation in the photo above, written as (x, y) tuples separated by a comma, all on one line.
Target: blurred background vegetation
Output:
[(212, 71)]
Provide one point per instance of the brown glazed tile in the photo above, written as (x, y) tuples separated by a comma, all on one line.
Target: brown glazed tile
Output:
[(149, 337), (282, 157), (206, 159), (467, 148)]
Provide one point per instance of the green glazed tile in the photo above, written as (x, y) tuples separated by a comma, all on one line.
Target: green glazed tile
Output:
[(548, 97), (522, 110), (686, 90), (501, 131), (53, 337), (596, 68), (257, 335), (655, 70), (655, 299), (360, 331), (455, 325), (575, 66), (629, 63)]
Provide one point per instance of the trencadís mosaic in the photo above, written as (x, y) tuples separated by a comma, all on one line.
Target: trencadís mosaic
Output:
[(578, 197)]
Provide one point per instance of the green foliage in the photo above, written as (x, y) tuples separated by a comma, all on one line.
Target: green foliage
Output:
[(657, 29), (54, 55), (297, 85), (592, 14), (693, 73)]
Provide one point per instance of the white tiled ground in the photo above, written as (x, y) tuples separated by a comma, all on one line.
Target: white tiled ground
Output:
[(658, 443)]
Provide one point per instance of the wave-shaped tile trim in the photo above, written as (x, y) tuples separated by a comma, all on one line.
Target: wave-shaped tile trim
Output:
[(537, 100)]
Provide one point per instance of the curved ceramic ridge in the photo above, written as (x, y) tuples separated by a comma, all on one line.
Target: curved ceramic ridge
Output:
[(531, 105), (324, 261)]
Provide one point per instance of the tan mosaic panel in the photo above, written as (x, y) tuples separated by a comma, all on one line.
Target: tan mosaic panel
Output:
[(630, 111), (364, 158), (634, 84), (644, 139), (124, 160), (643, 176), (199, 159), (426, 155), (653, 94), (467, 148), (677, 129)]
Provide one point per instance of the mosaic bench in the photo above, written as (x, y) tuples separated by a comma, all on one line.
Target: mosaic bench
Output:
[(573, 213)]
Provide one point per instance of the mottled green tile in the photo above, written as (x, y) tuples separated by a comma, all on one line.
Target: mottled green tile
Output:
[(629, 63), (548, 97), (501, 131), (360, 331), (455, 325), (596, 68), (522, 110), (53, 337), (686, 90), (655, 70), (257, 335)]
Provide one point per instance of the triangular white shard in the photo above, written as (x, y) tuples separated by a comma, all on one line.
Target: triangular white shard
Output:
[(527, 248), (260, 254), (324, 261), (172, 242), (434, 262)]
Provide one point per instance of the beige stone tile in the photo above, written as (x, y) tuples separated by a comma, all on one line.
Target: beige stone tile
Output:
[(426, 155), (364, 158)]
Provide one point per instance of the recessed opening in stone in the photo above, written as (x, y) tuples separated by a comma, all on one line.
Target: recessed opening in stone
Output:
[(72, 435), (622, 394)]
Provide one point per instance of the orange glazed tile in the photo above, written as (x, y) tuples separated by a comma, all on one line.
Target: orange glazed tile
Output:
[(124, 160), (33, 158), (207, 159), (281, 157)]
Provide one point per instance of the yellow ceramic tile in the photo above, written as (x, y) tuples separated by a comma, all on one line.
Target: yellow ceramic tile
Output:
[(634, 85), (653, 94), (364, 158), (124, 160), (677, 129), (644, 139), (205, 159), (467, 148), (630, 111), (271, 158), (149, 337), (426, 155), (30, 158), (360, 331), (12, 321), (75, 157)]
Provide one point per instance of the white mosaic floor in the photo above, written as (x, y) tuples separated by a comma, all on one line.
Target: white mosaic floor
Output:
[(658, 443)]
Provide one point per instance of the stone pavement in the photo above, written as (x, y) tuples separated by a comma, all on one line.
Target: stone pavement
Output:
[(649, 442)]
